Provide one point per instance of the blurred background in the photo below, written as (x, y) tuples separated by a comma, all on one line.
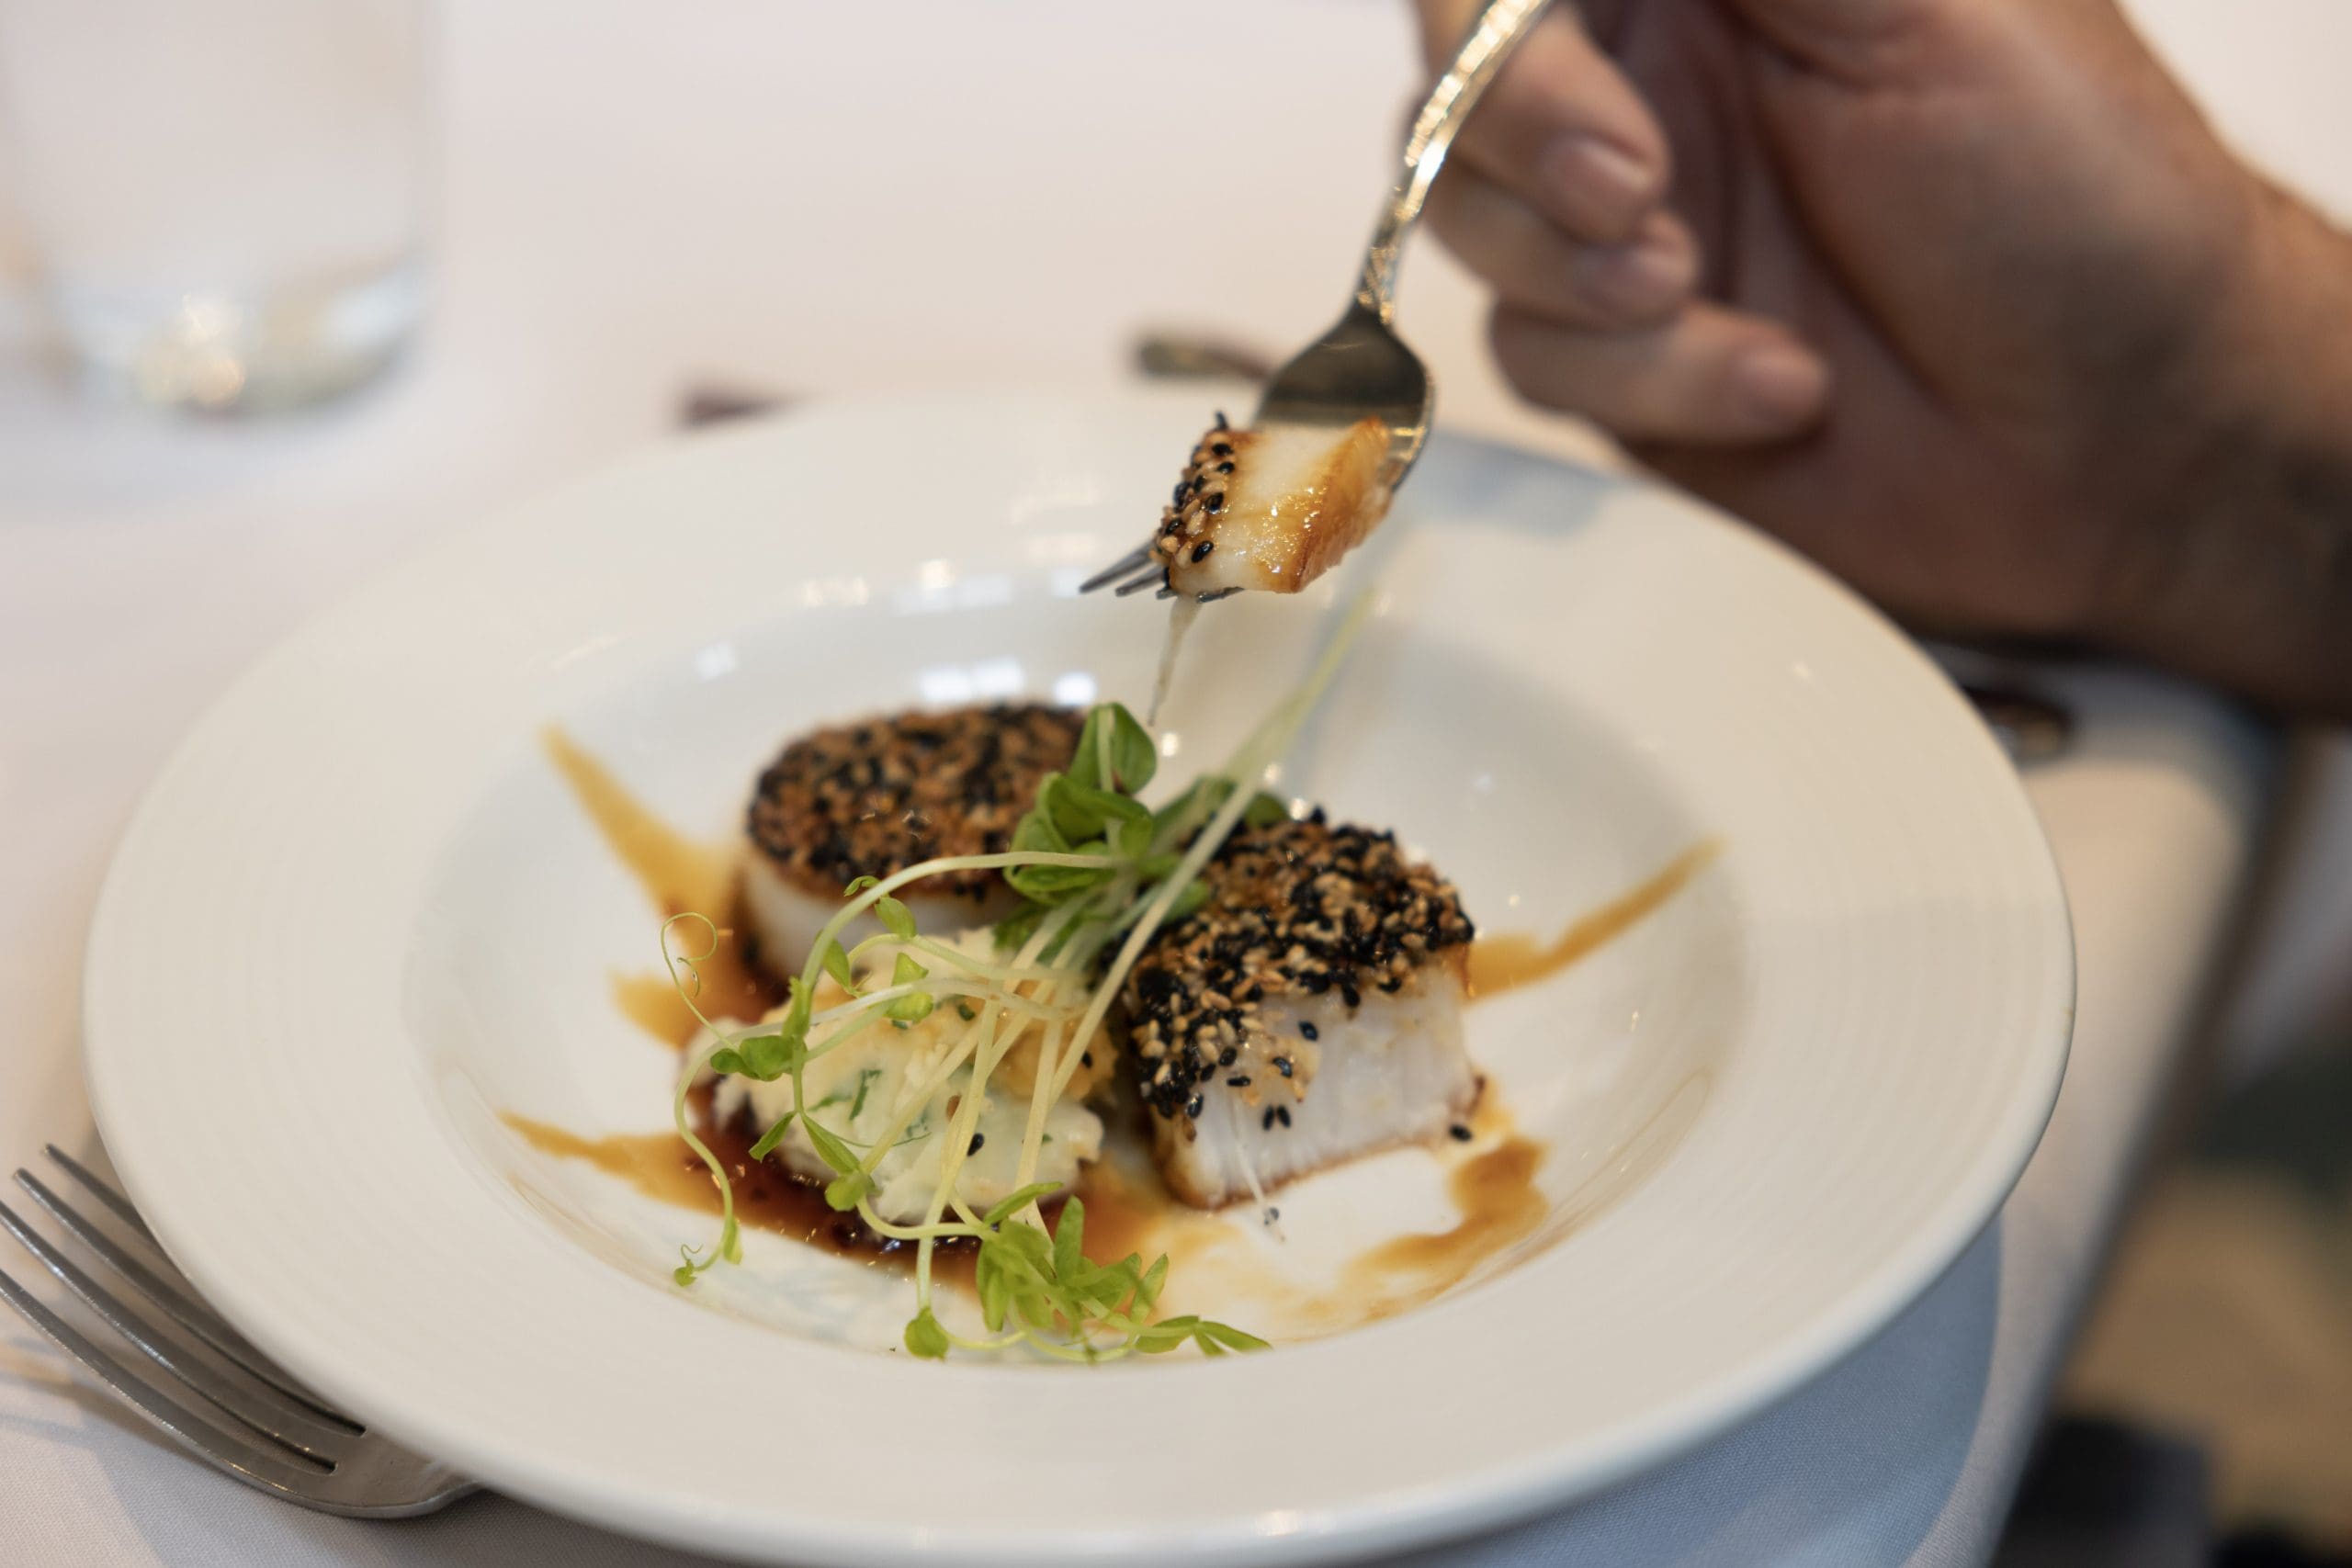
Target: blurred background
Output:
[(289, 288)]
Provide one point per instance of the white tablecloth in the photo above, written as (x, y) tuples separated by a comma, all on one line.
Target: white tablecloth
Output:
[(637, 195)]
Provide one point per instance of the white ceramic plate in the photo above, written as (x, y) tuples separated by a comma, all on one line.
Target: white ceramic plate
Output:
[(359, 918)]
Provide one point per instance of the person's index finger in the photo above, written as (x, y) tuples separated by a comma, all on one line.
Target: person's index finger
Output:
[(1560, 127)]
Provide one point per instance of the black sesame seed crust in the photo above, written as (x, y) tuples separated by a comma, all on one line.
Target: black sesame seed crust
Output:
[(1185, 522), (1296, 908), (878, 796)]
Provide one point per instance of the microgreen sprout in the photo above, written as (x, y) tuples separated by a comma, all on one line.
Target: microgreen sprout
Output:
[(1100, 873)]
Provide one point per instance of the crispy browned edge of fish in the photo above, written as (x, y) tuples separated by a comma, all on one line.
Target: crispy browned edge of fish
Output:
[(1353, 472)]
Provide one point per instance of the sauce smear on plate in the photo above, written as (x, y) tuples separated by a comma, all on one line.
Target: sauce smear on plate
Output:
[(1496, 1196), (1511, 959), (661, 1165), (679, 876)]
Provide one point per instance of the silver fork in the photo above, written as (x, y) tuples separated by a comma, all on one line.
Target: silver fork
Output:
[(258, 1424), (1360, 367)]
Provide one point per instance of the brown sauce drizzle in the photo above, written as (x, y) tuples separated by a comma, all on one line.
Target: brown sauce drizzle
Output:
[(677, 873), (1498, 1204), (727, 984), (680, 876), (1511, 959), (767, 1198), (657, 1164), (1128, 1210)]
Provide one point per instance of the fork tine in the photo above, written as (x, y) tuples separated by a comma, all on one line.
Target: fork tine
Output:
[(1202, 598), (1117, 569), (1150, 576), (121, 1207), (262, 1408), (269, 1469), (104, 1191), (185, 1310), (199, 1320)]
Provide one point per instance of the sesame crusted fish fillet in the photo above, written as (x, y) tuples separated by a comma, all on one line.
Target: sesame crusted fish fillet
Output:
[(1272, 508), (1308, 1014), (873, 797)]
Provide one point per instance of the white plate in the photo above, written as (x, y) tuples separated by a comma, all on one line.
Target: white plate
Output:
[(358, 916)]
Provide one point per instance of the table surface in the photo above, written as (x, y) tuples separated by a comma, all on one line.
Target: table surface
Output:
[(630, 205)]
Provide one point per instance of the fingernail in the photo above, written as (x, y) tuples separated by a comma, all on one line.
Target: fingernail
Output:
[(1644, 279), (1598, 179), (1780, 385)]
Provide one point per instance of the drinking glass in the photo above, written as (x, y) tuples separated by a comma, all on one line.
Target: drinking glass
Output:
[(225, 197)]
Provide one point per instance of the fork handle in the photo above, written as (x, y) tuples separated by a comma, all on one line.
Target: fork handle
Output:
[(1492, 37)]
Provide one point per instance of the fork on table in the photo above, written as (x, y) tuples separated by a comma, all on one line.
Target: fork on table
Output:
[(255, 1421)]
